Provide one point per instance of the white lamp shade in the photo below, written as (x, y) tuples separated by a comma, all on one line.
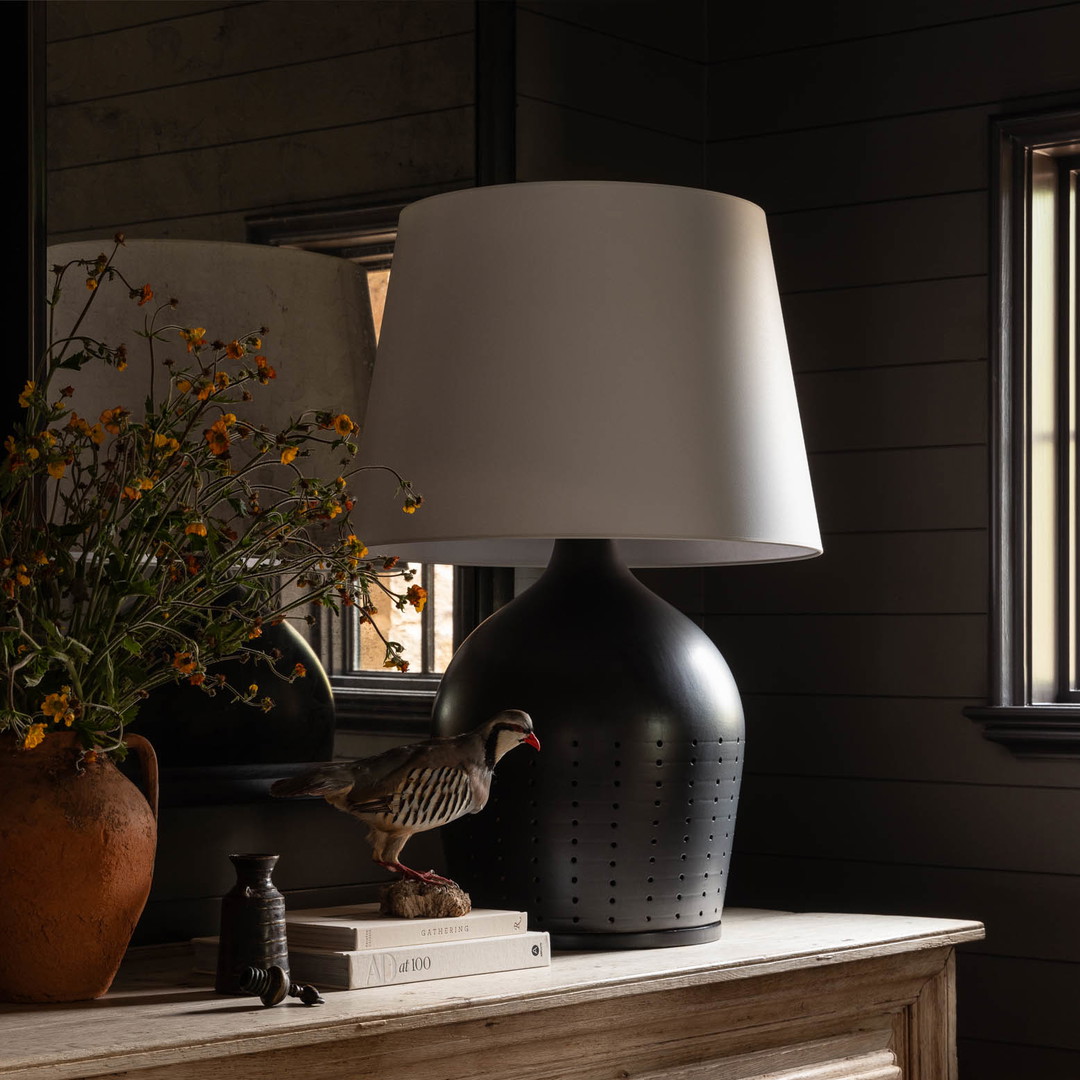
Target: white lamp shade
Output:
[(321, 339), (586, 360)]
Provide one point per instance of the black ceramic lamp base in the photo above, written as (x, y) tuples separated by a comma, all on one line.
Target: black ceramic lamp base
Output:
[(618, 833)]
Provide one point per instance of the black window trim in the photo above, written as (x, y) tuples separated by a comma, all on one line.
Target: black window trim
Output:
[(1011, 717)]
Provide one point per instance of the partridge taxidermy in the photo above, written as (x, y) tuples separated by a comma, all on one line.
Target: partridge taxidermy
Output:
[(414, 788)]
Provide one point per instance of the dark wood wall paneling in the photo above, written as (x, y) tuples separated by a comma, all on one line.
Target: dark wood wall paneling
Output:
[(179, 119), (611, 91), (862, 130)]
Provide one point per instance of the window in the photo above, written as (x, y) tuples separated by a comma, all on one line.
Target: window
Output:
[(366, 696), (1035, 662)]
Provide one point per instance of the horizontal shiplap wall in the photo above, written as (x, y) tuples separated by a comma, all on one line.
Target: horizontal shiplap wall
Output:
[(180, 119), (609, 90), (862, 129)]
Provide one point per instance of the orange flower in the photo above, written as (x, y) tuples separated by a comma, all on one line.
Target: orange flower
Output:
[(197, 679), (166, 443), (131, 493), (27, 390), (184, 662), (417, 596), (217, 435), (234, 350), (145, 295), (299, 671), (113, 419), (91, 283), (288, 454), (265, 372), (56, 468), (183, 385), (195, 528), (342, 424), (195, 338), (204, 391), (412, 504), (221, 380)]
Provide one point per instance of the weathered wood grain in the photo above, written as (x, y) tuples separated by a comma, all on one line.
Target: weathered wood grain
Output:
[(781, 993)]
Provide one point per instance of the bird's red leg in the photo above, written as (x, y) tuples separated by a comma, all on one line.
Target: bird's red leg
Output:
[(429, 877)]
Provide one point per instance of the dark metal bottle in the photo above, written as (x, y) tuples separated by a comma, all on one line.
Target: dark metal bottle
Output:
[(252, 923)]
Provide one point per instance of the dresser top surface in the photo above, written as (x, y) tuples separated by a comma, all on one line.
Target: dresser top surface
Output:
[(159, 1011)]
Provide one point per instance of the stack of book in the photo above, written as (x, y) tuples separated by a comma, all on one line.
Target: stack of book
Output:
[(346, 948)]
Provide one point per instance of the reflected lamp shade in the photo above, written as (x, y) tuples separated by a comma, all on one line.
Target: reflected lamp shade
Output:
[(592, 376), (321, 343)]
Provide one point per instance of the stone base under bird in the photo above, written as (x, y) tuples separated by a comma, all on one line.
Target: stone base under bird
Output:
[(414, 788)]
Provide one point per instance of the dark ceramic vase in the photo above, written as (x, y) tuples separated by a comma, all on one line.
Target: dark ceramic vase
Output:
[(618, 833), (190, 729), (252, 923)]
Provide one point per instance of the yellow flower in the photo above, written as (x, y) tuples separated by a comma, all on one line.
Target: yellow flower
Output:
[(21, 576), (221, 380), (91, 284), (228, 419), (253, 688), (196, 528), (59, 708), (288, 454), (183, 385), (97, 435), (27, 390), (166, 443), (342, 424), (417, 596), (56, 469), (34, 736)]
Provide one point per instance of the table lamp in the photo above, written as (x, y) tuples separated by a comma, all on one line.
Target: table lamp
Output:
[(592, 375)]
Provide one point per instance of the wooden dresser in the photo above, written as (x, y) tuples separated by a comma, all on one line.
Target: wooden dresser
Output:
[(780, 997)]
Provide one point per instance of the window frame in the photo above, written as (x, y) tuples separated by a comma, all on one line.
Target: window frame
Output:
[(1034, 608)]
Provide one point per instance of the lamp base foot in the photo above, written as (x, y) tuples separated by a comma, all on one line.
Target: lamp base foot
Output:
[(646, 939)]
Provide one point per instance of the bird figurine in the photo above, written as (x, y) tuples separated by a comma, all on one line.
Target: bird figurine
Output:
[(417, 787)]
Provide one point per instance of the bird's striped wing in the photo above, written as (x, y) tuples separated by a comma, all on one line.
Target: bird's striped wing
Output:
[(429, 797)]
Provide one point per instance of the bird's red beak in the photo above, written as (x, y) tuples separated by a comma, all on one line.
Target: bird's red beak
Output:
[(532, 740)]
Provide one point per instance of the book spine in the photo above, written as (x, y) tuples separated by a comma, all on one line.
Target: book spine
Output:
[(408, 932), (382, 967)]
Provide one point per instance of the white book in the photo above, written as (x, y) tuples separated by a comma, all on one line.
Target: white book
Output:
[(360, 926), (358, 968)]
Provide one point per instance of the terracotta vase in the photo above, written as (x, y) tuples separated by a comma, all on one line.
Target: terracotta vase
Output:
[(76, 859)]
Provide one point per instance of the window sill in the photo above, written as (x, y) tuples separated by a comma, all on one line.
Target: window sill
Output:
[(1031, 730), (373, 706)]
